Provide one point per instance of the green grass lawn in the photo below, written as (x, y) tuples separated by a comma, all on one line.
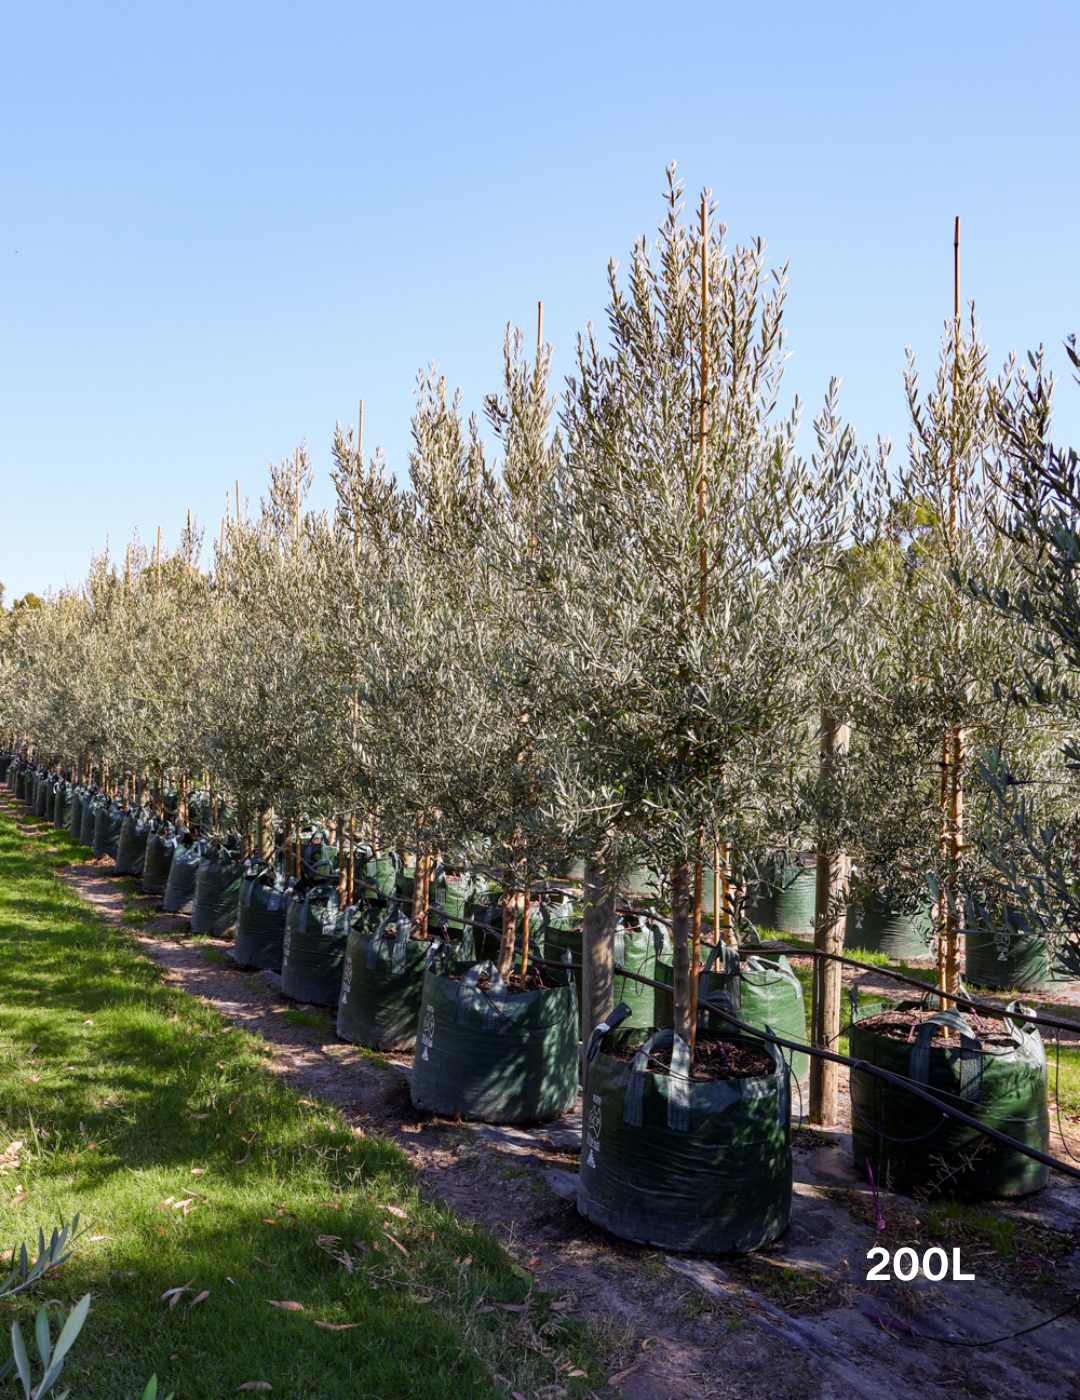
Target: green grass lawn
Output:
[(140, 1108)]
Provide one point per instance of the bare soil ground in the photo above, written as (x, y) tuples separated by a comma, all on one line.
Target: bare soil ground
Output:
[(798, 1321)]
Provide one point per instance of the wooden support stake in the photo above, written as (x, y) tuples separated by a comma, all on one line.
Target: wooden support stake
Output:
[(829, 916)]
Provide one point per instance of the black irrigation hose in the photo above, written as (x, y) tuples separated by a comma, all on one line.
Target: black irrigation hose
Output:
[(994, 1341)]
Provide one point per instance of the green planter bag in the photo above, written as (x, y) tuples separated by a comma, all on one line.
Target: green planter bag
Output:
[(158, 862), (679, 1164), (641, 944), (108, 821), (1026, 965), (912, 1146), (260, 919), (78, 797), (551, 931), (494, 1056), (217, 891), (131, 849), (457, 897), (383, 977), (783, 899), (183, 875), (765, 993), (89, 820), (62, 806), (873, 927), (313, 950)]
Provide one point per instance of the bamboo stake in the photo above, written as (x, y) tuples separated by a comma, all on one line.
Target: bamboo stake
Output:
[(955, 737), (703, 599)]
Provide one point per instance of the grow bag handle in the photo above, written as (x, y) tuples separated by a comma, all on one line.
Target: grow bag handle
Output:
[(1026, 1037), (971, 1054), (731, 986), (469, 996), (617, 1017), (678, 1099), (401, 938)]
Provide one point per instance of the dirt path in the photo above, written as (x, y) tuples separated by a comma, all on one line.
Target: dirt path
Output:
[(796, 1322)]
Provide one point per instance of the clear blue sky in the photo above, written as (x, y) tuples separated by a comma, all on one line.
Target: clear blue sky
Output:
[(221, 225)]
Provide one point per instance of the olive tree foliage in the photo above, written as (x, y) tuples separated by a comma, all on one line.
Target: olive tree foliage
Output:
[(931, 680), (685, 698), (1033, 846), (270, 710), (413, 566)]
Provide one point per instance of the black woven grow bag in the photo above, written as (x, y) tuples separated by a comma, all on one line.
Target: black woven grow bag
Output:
[(41, 797), (912, 1146), (157, 863), (108, 821), (183, 875), (217, 891), (50, 800), (684, 1165), (497, 1057), (131, 848), (382, 978), (260, 920), (313, 950)]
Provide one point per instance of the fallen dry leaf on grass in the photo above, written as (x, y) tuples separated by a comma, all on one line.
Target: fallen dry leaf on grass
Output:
[(396, 1210), (397, 1242), (289, 1306), (202, 1297), (174, 1294), (336, 1326), (20, 1197), (198, 1171), (620, 1376), (241, 1160)]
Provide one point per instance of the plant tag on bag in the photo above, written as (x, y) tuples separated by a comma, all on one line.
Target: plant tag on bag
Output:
[(427, 1037), (592, 1132)]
